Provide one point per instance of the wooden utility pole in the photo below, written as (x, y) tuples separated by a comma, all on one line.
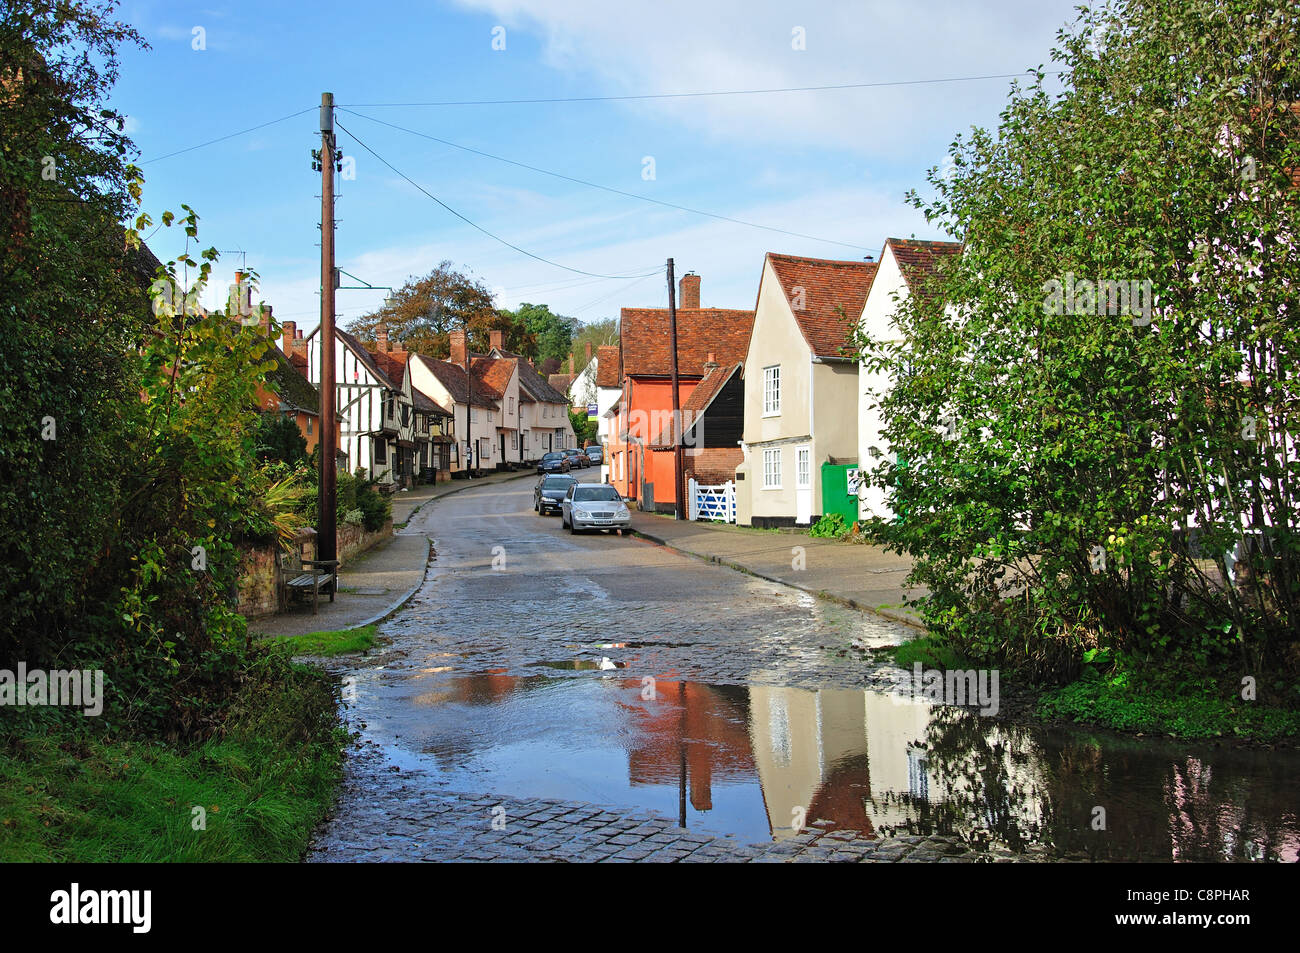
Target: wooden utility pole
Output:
[(327, 498), (679, 510), (469, 400)]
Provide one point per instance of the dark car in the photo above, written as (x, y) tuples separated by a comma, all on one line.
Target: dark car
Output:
[(550, 490), (594, 455), (554, 462), (576, 458)]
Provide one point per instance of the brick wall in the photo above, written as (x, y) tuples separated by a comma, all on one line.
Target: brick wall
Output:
[(711, 466), (259, 580)]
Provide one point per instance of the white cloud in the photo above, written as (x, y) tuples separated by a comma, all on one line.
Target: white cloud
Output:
[(682, 45)]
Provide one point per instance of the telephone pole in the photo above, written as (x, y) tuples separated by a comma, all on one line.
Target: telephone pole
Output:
[(326, 535), (678, 488)]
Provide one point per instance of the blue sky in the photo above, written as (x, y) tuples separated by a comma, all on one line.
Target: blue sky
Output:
[(830, 164)]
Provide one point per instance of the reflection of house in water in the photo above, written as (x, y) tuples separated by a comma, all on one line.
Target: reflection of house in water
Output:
[(707, 724), (811, 749)]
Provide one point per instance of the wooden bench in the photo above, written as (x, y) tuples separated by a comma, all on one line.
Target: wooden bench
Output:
[(314, 576)]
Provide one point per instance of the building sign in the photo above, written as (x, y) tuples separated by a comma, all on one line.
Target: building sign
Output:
[(592, 410)]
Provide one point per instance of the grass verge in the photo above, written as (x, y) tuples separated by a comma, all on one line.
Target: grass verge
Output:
[(1140, 707), (69, 794), (338, 642)]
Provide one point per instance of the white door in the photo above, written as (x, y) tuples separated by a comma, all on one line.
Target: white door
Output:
[(803, 495)]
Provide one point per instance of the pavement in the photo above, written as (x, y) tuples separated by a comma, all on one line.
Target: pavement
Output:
[(853, 574), (380, 581)]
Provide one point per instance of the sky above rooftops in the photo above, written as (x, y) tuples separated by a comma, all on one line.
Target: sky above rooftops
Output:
[(832, 164)]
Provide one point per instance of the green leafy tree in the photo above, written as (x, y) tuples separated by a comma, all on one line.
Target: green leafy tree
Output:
[(585, 430), (72, 309), (597, 334), (1050, 453), (553, 333), (278, 438)]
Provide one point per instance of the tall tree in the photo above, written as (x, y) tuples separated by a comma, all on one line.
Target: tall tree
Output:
[(1113, 358), (552, 332), (72, 309), (426, 309)]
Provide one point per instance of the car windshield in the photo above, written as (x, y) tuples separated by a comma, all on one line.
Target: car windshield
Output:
[(552, 456), (598, 493), (557, 483)]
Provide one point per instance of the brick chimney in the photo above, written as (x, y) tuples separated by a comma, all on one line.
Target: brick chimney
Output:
[(689, 290), (588, 352), (497, 339), (266, 320), (457, 342), (290, 335), (570, 362), (381, 337)]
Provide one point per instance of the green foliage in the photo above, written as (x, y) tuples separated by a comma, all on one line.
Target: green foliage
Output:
[(72, 308), (829, 526), (553, 333), (70, 794), (1077, 434), (1159, 707), (931, 652), (586, 431), (278, 438)]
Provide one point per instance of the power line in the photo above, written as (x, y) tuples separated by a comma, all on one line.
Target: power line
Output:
[(606, 188), (623, 290), (416, 185), (696, 95), (232, 135)]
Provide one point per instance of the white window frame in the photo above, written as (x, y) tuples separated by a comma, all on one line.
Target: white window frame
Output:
[(772, 468), (803, 468), (772, 391)]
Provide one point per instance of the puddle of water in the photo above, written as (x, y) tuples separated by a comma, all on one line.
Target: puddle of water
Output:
[(581, 665), (751, 761)]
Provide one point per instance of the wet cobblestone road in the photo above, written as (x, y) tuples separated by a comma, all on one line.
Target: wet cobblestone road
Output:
[(511, 594)]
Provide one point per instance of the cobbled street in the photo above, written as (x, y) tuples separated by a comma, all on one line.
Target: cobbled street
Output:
[(551, 604)]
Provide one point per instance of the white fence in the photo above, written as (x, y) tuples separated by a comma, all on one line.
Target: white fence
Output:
[(717, 503)]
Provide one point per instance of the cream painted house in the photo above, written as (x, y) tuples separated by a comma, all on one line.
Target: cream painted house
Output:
[(801, 386), (904, 266)]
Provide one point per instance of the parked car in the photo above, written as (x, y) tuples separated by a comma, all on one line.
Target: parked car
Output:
[(576, 458), (554, 462), (593, 506), (550, 490), (594, 455)]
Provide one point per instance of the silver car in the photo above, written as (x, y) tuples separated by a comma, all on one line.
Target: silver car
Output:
[(593, 506)]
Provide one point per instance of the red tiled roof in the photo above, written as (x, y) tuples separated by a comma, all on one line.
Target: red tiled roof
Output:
[(831, 293), (644, 333), (715, 378), (452, 377), (607, 366), (532, 384), (919, 261), (495, 372), (392, 363)]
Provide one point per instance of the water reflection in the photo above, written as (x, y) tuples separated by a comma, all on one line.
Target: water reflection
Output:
[(758, 761)]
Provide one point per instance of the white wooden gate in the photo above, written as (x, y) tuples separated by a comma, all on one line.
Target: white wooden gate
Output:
[(716, 503)]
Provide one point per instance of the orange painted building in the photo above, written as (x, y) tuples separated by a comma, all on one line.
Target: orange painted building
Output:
[(644, 410)]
